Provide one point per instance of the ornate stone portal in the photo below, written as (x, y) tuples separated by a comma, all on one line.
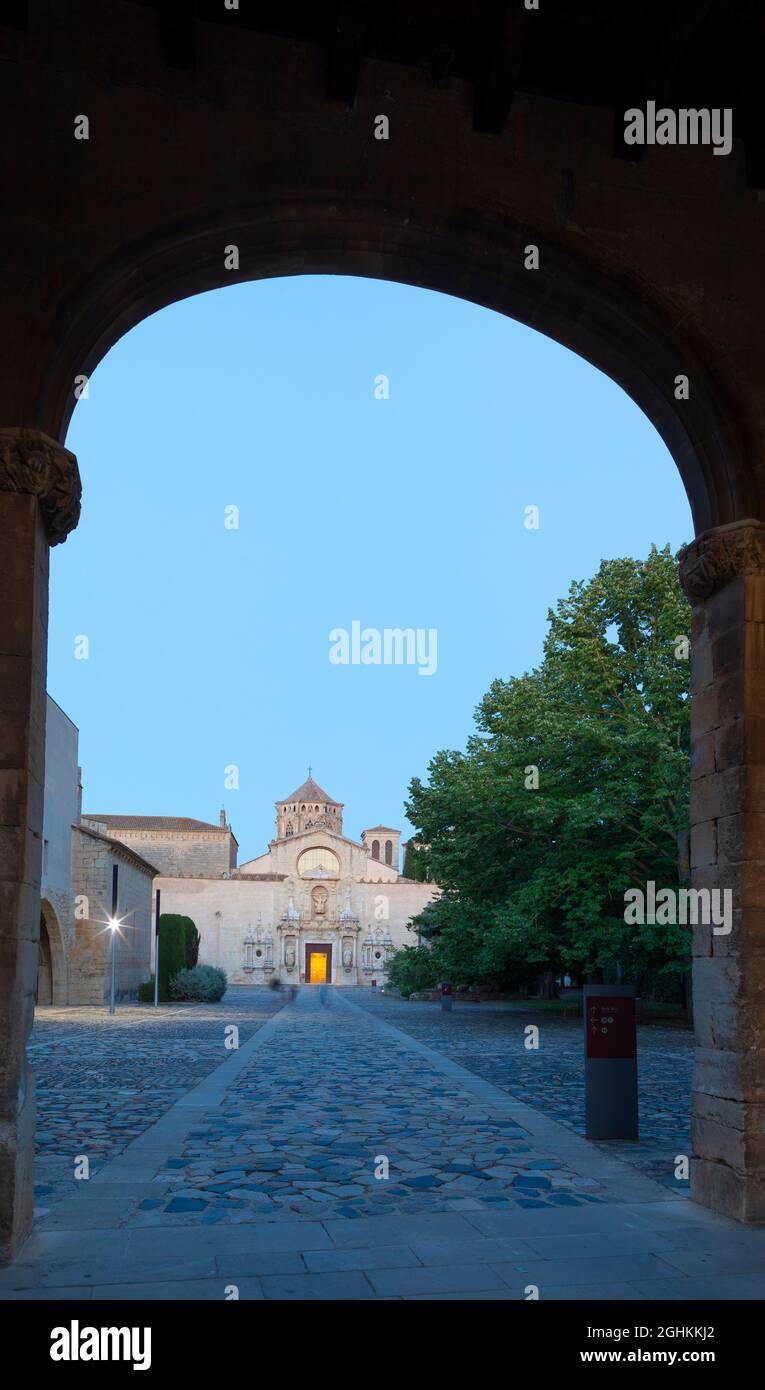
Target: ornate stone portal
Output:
[(319, 929)]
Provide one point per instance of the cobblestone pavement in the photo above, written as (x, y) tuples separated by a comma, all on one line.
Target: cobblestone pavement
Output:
[(306, 1126), (254, 1170), (103, 1080), (489, 1040)]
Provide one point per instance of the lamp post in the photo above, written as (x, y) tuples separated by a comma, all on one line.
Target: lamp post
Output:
[(156, 954), (113, 927)]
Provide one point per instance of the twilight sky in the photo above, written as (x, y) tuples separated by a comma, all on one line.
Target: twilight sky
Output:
[(209, 646)]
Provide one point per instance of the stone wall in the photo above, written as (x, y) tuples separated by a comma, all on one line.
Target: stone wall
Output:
[(179, 853), (90, 958), (60, 811)]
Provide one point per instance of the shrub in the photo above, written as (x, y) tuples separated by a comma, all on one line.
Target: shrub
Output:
[(173, 937), (146, 992), (203, 984), (192, 944), (413, 968)]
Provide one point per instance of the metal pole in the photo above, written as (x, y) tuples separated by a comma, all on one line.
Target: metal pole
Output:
[(156, 954), (115, 871)]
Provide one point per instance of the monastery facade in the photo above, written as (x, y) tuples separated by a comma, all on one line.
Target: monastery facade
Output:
[(316, 907)]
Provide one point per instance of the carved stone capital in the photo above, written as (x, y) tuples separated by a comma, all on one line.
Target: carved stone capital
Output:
[(722, 554), (32, 462)]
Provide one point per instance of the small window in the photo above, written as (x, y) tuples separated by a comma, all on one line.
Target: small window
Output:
[(375, 849), (388, 851)]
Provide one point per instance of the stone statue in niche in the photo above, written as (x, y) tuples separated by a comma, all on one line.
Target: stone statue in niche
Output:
[(319, 899), (347, 954), (289, 953)]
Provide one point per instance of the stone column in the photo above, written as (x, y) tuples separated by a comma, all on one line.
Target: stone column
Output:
[(723, 574), (39, 505)]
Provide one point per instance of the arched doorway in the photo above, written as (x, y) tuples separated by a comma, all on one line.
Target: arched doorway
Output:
[(44, 991), (50, 987)]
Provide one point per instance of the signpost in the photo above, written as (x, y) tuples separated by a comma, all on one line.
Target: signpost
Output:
[(446, 997), (610, 1062)]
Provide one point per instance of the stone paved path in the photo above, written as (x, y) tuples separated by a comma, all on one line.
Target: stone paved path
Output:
[(489, 1040), (258, 1181), (325, 1106), (103, 1080)]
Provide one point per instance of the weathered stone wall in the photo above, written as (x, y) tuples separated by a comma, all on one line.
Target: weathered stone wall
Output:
[(179, 853), (59, 814), (724, 575), (90, 958)]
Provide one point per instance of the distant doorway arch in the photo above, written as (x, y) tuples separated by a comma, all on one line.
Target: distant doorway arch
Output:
[(51, 961)]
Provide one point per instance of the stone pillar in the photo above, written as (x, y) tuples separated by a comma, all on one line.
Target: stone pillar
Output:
[(723, 574), (39, 505)]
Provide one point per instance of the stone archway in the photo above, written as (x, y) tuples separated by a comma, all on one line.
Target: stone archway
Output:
[(643, 269), (51, 960)]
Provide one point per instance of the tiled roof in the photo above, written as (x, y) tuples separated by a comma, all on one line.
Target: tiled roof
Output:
[(155, 823), (118, 846), (310, 791), (391, 828)]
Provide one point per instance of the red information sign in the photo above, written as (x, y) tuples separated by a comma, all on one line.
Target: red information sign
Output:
[(611, 1026)]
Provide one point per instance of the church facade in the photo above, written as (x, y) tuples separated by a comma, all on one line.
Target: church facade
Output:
[(316, 907)]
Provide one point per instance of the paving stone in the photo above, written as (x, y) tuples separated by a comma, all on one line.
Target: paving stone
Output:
[(348, 1284), (274, 1188), (435, 1279)]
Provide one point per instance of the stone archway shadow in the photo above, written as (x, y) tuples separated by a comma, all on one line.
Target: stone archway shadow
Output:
[(634, 339)]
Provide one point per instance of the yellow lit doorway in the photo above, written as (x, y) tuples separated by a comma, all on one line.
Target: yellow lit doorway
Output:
[(317, 967)]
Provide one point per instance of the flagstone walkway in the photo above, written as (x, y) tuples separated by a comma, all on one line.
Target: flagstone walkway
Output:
[(334, 1156), (490, 1039)]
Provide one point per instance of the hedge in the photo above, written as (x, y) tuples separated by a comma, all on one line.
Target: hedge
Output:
[(178, 938)]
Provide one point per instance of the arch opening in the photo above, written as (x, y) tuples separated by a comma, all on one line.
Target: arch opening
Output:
[(610, 323), (50, 987)]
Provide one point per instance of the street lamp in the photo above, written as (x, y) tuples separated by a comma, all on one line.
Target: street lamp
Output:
[(113, 925)]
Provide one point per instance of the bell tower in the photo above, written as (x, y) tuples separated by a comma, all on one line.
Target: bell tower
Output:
[(308, 808)]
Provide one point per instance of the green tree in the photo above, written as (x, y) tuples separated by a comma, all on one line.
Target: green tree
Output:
[(573, 789)]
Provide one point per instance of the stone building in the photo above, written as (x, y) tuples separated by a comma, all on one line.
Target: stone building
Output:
[(177, 845), (316, 906), (78, 859)]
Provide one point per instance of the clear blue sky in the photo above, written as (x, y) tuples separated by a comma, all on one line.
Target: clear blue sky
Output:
[(210, 647)]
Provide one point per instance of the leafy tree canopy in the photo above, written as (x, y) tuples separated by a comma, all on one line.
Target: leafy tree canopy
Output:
[(573, 789)]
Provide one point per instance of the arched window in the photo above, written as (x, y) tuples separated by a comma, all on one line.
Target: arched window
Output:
[(318, 863), (290, 831), (388, 851), (375, 849)]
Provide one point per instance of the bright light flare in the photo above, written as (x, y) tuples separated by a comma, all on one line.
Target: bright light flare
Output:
[(113, 924)]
